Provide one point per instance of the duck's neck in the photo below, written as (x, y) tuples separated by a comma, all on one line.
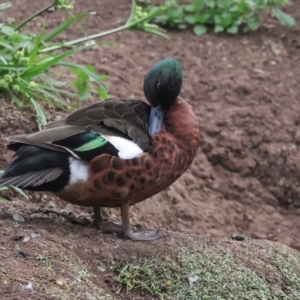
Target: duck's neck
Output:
[(182, 123)]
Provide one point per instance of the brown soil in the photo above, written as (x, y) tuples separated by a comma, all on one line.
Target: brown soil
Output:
[(244, 90)]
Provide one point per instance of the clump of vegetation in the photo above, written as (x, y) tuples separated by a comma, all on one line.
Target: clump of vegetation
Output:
[(212, 273), (225, 15), (137, 276), (27, 60)]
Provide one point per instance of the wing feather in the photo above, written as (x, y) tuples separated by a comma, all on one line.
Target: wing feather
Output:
[(114, 117)]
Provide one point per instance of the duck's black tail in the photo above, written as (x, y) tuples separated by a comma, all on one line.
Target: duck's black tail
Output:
[(37, 169)]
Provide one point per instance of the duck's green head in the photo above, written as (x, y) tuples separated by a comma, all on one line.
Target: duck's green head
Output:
[(162, 85)]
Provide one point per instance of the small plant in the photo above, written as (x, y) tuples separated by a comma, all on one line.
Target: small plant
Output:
[(46, 262), (221, 15), (27, 60), (138, 276)]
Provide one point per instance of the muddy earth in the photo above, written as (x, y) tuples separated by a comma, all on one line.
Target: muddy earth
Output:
[(245, 92)]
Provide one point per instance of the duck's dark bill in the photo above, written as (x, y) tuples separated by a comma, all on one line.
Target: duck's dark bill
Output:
[(156, 119)]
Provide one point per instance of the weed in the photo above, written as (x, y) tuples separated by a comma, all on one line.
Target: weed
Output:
[(225, 15), (46, 262), (27, 60), (138, 276), (16, 225)]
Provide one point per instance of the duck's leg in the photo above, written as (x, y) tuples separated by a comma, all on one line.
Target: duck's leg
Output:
[(127, 230), (103, 225)]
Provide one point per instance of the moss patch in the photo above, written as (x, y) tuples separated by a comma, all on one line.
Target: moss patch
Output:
[(261, 271)]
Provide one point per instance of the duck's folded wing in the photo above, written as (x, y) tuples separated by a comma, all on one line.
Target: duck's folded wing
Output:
[(115, 126)]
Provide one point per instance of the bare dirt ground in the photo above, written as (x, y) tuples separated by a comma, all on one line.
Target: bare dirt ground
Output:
[(244, 90)]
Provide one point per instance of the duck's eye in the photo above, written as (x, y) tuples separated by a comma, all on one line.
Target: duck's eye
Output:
[(157, 84)]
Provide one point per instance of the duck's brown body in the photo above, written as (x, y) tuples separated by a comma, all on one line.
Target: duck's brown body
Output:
[(114, 182), (112, 153)]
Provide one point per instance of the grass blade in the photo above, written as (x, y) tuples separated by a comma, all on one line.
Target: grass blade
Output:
[(3, 60), (36, 48), (49, 62), (86, 71), (41, 119), (15, 99), (20, 191), (3, 188), (12, 67), (7, 46), (5, 5), (56, 31)]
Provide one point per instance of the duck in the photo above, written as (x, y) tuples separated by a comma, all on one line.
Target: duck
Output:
[(112, 153)]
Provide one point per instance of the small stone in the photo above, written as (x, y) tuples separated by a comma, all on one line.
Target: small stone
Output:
[(18, 218), (29, 287), (26, 239), (238, 237), (192, 279)]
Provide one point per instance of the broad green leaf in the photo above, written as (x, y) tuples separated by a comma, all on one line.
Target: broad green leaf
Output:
[(210, 3), (103, 94), (191, 19), (191, 8), (203, 18), (283, 18), (253, 22), (7, 30), (232, 29), (199, 29), (218, 28), (217, 19), (227, 19)]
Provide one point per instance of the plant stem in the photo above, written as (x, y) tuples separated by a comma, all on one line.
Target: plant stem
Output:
[(34, 15), (128, 25), (84, 39)]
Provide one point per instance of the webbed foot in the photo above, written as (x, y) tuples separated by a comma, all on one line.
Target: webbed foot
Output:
[(127, 231), (149, 235)]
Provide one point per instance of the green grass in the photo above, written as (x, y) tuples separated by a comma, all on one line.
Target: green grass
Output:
[(210, 273), (221, 15)]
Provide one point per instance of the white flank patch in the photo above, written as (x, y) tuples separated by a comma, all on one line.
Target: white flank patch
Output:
[(127, 149), (78, 170)]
